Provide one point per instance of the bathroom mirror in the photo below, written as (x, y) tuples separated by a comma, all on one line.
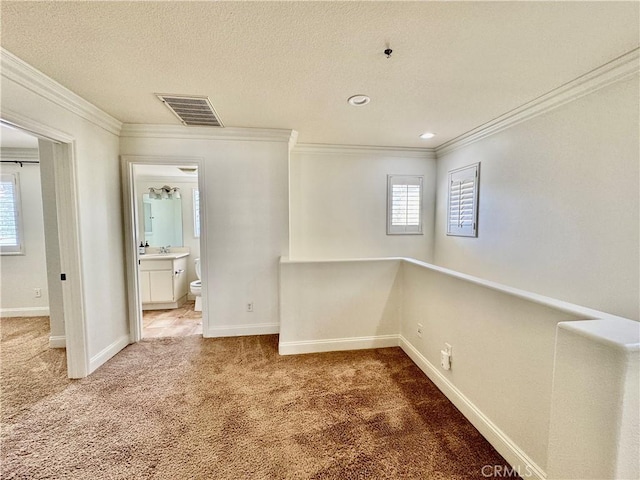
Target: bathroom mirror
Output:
[(161, 221)]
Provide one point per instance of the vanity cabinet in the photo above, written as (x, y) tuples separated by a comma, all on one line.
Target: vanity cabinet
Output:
[(163, 281)]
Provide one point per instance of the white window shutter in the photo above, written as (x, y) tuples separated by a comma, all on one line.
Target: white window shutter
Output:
[(10, 218), (462, 207), (404, 204)]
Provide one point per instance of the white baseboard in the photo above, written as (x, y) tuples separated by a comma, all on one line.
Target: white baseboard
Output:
[(337, 344), (108, 352), (57, 341), (242, 330), (526, 467), (24, 312)]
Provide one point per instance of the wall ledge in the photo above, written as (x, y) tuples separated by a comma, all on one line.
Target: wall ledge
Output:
[(561, 305), (20, 72), (616, 333), (607, 74)]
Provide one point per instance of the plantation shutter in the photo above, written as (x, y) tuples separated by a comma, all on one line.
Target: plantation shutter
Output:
[(9, 214), (404, 215), (462, 211)]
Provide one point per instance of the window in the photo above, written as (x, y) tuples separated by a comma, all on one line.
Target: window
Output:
[(10, 218), (196, 213), (404, 204), (462, 210)]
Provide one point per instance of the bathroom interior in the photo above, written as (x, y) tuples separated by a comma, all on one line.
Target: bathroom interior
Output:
[(169, 250)]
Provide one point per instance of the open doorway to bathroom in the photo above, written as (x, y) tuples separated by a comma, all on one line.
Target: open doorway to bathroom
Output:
[(166, 213)]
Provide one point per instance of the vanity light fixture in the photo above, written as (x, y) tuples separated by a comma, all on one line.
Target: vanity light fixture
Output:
[(427, 135), (358, 100), (165, 192)]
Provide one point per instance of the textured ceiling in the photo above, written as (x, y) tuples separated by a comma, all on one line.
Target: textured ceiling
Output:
[(455, 65)]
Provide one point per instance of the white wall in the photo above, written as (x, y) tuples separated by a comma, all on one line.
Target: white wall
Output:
[(246, 197), (188, 236), (99, 210), (559, 211), (503, 350), (328, 306), (21, 274), (339, 202), (595, 414)]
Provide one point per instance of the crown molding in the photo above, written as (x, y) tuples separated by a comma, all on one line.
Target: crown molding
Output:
[(20, 72), (325, 149), (293, 140), (207, 133), (607, 74), (19, 154)]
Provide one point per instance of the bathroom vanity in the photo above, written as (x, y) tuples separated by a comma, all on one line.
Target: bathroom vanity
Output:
[(163, 280)]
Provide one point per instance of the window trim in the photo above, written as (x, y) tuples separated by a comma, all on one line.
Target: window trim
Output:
[(406, 229), (471, 230), (19, 248)]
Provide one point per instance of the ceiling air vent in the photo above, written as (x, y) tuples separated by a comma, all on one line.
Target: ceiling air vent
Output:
[(192, 110)]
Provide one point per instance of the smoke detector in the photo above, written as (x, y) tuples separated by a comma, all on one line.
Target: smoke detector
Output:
[(192, 110)]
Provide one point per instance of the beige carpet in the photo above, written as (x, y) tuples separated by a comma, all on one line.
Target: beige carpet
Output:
[(182, 408)]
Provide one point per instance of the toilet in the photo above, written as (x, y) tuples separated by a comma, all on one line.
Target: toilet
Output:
[(196, 287)]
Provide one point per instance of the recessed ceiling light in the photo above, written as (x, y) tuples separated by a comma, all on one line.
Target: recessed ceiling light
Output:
[(358, 100), (427, 135)]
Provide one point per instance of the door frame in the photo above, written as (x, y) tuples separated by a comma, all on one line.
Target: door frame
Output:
[(66, 187), (131, 216)]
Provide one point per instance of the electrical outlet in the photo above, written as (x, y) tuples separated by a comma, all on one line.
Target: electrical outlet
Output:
[(38, 292), (419, 330), (250, 307), (447, 348)]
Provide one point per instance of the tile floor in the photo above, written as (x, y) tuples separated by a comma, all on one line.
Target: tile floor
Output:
[(177, 322)]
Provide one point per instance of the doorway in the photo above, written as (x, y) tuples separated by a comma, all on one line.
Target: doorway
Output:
[(58, 187), (166, 241)]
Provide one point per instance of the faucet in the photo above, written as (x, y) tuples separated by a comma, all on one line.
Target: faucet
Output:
[(165, 249)]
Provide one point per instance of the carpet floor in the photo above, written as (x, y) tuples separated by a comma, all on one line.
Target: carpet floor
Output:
[(229, 408)]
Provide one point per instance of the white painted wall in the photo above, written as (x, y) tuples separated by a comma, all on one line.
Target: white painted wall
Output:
[(339, 202), (559, 211), (21, 274), (100, 215), (327, 306), (188, 236), (503, 349), (246, 195), (595, 414)]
